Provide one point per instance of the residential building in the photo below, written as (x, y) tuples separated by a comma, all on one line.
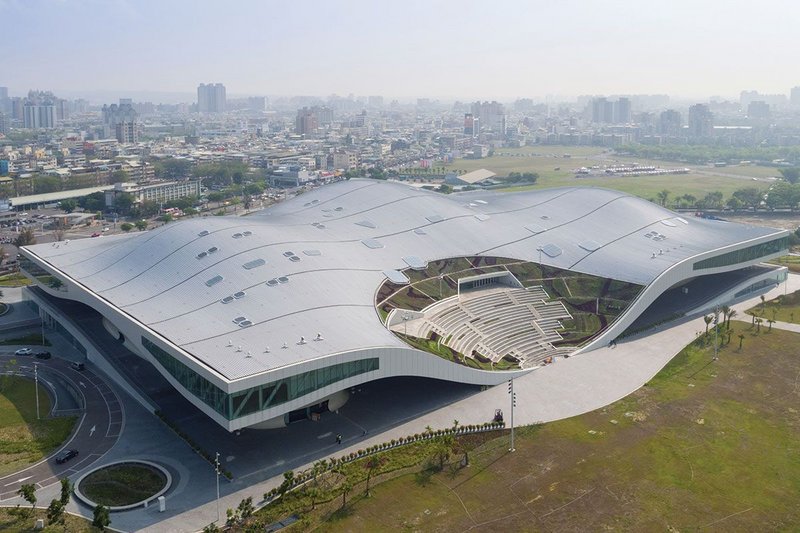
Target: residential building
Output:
[(701, 121), (120, 122), (158, 192), (211, 98), (670, 123), (306, 122), (39, 110), (491, 116)]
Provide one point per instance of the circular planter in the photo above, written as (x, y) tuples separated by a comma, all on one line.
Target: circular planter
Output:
[(167, 484)]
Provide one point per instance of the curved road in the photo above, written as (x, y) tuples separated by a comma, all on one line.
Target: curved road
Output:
[(96, 431)]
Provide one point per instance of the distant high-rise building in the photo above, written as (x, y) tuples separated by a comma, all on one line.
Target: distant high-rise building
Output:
[(211, 98), (670, 123), (491, 116), (622, 110), (257, 104), (758, 109), (119, 122), (795, 97), (3, 123), (701, 121), (375, 101), (306, 122), (324, 114), (605, 111), (469, 124), (39, 110), (5, 101)]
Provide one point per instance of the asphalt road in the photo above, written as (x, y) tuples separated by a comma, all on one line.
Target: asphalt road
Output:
[(95, 433)]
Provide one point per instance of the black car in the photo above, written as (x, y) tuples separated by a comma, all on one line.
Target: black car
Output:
[(66, 455), (43, 355)]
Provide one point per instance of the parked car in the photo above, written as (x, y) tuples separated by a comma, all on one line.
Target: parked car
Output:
[(23, 351), (78, 366), (43, 355), (66, 455)]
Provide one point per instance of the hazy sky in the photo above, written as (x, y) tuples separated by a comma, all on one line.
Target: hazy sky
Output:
[(402, 48)]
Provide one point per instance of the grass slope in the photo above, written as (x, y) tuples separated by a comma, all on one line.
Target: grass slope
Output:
[(703, 445), (23, 439)]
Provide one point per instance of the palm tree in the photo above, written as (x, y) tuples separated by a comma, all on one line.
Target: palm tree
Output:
[(732, 313), (741, 338), (707, 319), (662, 197), (770, 321), (758, 325), (346, 487), (372, 464), (725, 311)]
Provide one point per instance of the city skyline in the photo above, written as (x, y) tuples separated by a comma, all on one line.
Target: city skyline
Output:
[(443, 50)]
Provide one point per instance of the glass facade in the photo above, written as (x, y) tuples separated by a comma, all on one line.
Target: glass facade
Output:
[(745, 254), (261, 397)]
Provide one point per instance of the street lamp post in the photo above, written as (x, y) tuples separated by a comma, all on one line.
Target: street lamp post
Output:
[(513, 404), (216, 469), (36, 387), (716, 330), (406, 318)]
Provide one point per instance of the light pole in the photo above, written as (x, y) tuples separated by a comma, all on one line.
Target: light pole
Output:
[(406, 318), (716, 330), (216, 469), (36, 387), (513, 404)]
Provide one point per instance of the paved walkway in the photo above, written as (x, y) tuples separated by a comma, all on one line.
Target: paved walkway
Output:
[(567, 388)]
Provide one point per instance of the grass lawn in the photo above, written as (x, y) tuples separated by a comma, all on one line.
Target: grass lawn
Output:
[(704, 445), (34, 339), (14, 280), (122, 484), (545, 159), (23, 439), (783, 309), (792, 262), (10, 521)]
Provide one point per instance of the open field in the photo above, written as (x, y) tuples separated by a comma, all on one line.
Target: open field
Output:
[(23, 439), (704, 445), (545, 159)]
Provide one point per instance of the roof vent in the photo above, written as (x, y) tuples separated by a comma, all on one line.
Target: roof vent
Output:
[(239, 294), (433, 219), (203, 233), (227, 299), (551, 250), (214, 280), (372, 243), (255, 263), (366, 224)]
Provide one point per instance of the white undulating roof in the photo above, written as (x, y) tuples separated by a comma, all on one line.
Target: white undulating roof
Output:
[(308, 265)]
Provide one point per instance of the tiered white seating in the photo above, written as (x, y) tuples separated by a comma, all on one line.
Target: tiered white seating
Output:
[(499, 322)]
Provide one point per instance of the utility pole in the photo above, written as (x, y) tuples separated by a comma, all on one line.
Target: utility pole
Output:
[(513, 404)]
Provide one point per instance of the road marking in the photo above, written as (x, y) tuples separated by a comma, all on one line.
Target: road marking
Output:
[(20, 480), (82, 384), (91, 431), (325, 435)]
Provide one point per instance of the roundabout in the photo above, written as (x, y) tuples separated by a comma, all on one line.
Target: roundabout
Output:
[(123, 485)]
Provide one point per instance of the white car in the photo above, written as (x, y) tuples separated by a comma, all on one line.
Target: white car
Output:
[(23, 351)]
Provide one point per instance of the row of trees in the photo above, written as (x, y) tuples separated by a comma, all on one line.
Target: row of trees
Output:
[(56, 511), (701, 154)]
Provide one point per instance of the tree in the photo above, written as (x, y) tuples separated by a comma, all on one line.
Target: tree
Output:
[(372, 465), (28, 493), (443, 449), (770, 322), (749, 196), (346, 487), (123, 202), (68, 205), (119, 176), (126, 227), (741, 338), (662, 197), (55, 512), (707, 319), (245, 509), (25, 238), (102, 517), (758, 325), (791, 174), (732, 313), (211, 528), (66, 491), (689, 200), (141, 225), (288, 481)]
